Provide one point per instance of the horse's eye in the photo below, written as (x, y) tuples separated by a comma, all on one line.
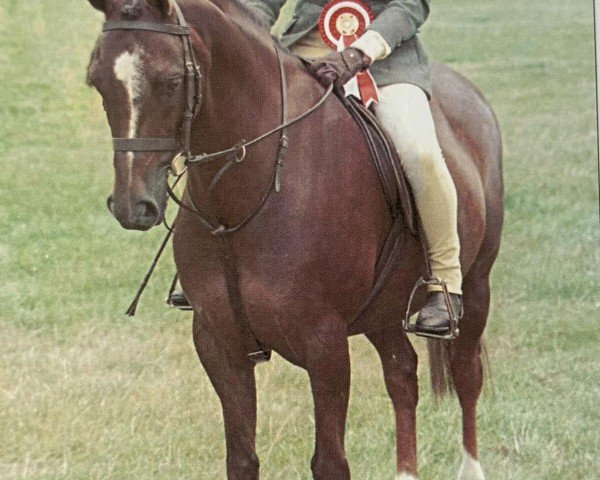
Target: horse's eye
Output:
[(172, 84)]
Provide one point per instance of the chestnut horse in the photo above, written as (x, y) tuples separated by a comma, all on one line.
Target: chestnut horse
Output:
[(305, 263)]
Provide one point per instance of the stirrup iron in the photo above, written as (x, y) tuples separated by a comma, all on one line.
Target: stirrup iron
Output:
[(174, 301), (260, 356), (454, 316)]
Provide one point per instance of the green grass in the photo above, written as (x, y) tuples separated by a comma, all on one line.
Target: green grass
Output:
[(88, 393)]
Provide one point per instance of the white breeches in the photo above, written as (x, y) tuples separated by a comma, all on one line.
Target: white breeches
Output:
[(404, 112)]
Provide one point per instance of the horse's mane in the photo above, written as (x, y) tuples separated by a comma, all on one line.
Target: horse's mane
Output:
[(250, 13), (250, 19)]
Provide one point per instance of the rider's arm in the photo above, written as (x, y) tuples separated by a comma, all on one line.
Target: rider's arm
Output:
[(267, 10), (397, 23)]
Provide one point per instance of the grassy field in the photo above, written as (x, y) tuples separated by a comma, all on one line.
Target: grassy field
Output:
[(87, 393)]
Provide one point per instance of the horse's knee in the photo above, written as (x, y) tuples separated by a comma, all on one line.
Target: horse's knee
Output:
[(401, 380)]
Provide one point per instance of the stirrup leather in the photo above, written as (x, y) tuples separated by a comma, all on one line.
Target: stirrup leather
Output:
[(454, 316)]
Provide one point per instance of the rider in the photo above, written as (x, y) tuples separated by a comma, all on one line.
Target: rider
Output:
[(395, 56)]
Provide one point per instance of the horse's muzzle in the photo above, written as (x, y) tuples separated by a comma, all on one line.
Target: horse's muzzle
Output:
[(142, 215)]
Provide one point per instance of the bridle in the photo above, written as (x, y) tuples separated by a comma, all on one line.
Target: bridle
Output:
[(193, 80), (235, 154)]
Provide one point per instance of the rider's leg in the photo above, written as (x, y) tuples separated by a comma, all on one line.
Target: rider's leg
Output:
[(404, 111)]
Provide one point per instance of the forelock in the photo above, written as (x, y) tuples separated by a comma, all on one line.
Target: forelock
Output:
[(132, 9)]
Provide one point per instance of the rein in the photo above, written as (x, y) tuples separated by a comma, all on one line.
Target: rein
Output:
[(237, 154)]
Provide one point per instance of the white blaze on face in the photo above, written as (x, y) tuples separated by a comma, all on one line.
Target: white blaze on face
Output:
[(127, 70)]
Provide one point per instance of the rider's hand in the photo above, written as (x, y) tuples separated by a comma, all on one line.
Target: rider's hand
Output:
[(339, 67)]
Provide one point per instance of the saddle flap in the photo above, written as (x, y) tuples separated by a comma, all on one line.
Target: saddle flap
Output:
[(387, 163)]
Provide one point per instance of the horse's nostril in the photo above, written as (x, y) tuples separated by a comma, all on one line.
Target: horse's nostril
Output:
[(147, 212), (110, 203)]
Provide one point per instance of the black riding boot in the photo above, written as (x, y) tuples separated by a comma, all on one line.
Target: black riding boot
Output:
[(434, 317)]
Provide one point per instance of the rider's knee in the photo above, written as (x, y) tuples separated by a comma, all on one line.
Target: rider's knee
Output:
[(422, 163), (430, 159)]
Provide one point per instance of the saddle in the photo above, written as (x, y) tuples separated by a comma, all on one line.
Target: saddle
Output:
[(391, 174), (396, 190)]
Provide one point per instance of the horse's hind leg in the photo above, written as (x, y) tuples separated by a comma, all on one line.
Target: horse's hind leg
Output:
[(328, 366), (467, 369), (399, 362), (232, 375)]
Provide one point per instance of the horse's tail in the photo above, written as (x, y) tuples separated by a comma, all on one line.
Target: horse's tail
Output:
[(440, 352)]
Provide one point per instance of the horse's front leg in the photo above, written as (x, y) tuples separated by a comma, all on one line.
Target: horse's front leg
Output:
[(399, 362), (232, 375), (328, 366)]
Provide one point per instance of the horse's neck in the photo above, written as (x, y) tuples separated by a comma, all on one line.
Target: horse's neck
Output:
[(242, 100), (241, 85)]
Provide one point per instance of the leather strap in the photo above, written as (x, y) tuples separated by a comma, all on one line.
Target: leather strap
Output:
[(386, 264), (167, 28), (255, 351), (237, 155), (145, 144), (193, 82), (206, 157)]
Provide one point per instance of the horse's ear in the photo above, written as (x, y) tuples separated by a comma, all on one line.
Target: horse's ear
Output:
[(99, 4), (165, 6)]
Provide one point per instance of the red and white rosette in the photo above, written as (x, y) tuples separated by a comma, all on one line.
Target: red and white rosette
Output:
[(342, 22)]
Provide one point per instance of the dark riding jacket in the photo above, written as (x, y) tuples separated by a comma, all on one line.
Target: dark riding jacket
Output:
[(397, 21)]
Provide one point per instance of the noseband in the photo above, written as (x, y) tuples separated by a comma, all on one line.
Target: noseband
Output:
[(193, 80)]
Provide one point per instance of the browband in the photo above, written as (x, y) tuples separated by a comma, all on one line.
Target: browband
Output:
[(193, 95), (168, 28)]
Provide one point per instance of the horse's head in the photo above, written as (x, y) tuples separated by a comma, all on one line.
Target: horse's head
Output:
[(141, 76)]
